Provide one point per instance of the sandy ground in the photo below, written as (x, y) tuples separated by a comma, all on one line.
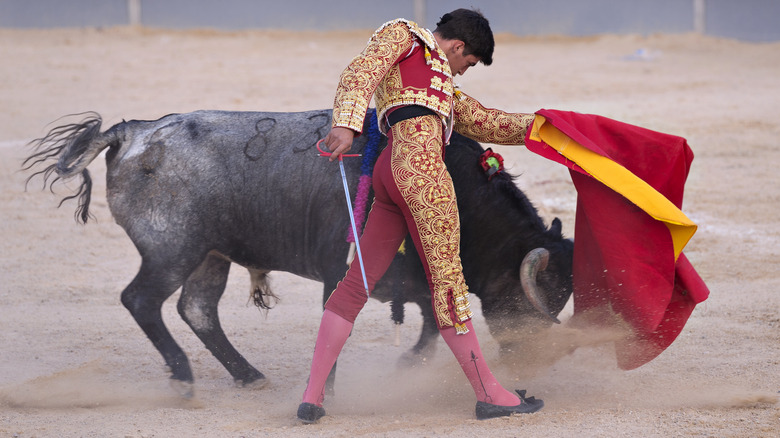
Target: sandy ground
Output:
[(74, 363)]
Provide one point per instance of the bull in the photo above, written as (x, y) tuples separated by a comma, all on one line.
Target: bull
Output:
[(200, 191)]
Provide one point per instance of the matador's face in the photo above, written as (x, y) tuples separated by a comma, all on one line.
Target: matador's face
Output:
[(458, 62)]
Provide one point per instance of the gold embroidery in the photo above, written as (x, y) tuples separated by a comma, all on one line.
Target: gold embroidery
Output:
[(437, 66), (437, 83), (411, 96), (448, 88), (419, 172), (424, 35), (376, 72), (443, 66), (489, 125), (363, 74)]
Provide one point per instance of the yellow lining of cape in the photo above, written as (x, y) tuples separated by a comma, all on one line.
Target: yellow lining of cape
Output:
[(619, 179)]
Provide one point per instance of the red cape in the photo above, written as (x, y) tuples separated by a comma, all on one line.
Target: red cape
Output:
[(625, 257)]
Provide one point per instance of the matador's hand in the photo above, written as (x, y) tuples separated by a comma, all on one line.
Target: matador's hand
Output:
[(339, 141)]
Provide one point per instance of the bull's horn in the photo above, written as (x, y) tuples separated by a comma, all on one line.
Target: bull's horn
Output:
[(533, 262)]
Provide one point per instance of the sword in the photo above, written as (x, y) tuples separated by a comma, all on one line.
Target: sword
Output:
[(349, 207)]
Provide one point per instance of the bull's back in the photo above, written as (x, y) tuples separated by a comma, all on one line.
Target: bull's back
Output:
[(249, 185)]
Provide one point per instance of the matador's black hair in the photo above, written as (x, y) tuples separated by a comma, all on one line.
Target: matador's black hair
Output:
[(471, 27)]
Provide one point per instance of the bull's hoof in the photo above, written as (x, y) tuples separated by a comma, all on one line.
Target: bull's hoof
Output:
[(410, 359), (184, 389), (253, 384), (526, 406), (330, 390)]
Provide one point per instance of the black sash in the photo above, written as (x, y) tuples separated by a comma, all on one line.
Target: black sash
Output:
[(407, 112)]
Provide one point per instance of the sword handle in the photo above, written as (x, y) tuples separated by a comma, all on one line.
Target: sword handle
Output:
[(328, 154)]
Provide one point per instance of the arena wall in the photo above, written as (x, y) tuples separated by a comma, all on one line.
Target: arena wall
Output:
[(749, 20)]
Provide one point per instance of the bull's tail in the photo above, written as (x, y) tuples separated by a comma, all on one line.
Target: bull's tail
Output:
[(73, 146)]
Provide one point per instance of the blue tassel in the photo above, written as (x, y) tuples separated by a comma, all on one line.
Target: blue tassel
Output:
[(371, 151)]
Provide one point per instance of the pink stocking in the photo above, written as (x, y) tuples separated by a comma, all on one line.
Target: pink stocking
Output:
[(333, 333), (469, 355)]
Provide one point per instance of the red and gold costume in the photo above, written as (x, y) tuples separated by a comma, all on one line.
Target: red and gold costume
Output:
[(403, 65)]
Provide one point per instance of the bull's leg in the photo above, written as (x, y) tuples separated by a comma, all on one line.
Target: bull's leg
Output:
[(198, 307), (144, 297), (426, 345)]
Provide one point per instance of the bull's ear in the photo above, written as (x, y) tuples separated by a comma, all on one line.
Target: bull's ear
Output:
[(556, 227)]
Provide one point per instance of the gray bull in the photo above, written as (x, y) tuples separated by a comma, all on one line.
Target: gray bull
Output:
[(196, 192)]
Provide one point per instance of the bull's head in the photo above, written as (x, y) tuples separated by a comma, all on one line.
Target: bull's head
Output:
[(534, 302)]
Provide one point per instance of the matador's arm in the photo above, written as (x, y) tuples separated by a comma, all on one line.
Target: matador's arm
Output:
[(488, 125), (362, 76)]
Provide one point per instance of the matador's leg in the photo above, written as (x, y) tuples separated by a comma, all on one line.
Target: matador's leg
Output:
[(384, 231), (427, 197), (425, 193)]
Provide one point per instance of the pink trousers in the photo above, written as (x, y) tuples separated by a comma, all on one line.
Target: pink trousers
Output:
[(413, 195)]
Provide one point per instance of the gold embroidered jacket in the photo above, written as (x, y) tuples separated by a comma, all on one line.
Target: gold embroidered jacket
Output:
[(403, 65)]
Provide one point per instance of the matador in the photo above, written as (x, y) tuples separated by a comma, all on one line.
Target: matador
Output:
[(409, 72)]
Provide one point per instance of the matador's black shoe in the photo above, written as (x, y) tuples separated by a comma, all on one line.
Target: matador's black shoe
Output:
[(526, 406), (310, 413)]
